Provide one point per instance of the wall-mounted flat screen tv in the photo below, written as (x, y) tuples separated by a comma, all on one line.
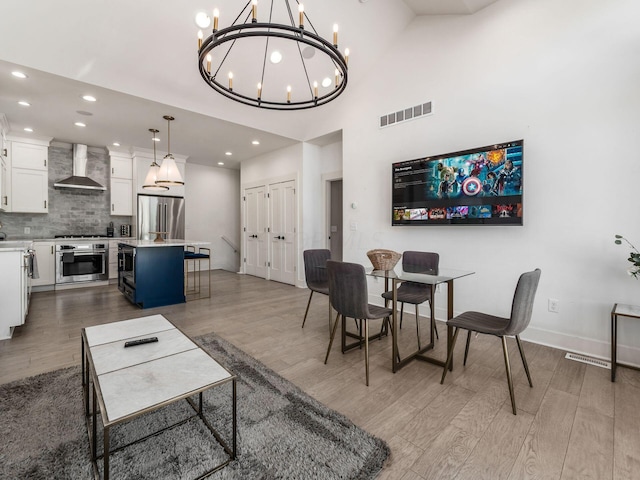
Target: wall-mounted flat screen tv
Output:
[(479, 186)]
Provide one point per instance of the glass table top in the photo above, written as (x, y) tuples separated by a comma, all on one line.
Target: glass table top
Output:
[(443, 275)]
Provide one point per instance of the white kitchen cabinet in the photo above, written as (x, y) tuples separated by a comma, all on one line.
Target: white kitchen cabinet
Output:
[(29, 191), (28, 155), (4, 196), (121, 196), (15, 287), (121, 184), (121, 167), (113, 261), (28, 170), (46, 259)]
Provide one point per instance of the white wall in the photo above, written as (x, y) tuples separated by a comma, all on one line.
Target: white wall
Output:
[(562, 75), (213, 210)]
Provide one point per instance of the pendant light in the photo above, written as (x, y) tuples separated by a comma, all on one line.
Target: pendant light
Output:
[(152, 175), (169, 175)]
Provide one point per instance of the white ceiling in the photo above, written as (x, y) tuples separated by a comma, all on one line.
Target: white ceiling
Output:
[(139, 59)]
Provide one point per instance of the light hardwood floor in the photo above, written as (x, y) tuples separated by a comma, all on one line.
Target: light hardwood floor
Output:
[(574, 423)]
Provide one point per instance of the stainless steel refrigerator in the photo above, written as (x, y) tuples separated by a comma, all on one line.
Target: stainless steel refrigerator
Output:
[(160, 214)]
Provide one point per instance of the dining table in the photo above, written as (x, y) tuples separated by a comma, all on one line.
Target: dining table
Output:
[(393, 279)]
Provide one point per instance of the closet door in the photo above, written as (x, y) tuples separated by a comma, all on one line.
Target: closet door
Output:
[(255, 232), (282, 237)]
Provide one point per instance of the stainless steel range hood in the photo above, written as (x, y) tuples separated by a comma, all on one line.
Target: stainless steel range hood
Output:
[(79, 178)]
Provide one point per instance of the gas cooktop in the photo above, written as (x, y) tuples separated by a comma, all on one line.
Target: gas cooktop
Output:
[(79, 236)]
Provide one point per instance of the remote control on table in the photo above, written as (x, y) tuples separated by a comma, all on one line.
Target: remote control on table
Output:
[(140, 341)]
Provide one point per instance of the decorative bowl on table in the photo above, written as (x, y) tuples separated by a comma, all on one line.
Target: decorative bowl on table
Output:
[(382, 259)]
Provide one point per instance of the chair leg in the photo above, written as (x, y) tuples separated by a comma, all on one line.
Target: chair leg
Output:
[(418, 327), (401, 312), (524, 360), (307, 311), (329, 315), (450, 356), (508, 369), (366, 348), (466, 348), (333, 334)]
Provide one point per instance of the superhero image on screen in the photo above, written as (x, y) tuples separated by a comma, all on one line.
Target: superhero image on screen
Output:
[(477, 186)]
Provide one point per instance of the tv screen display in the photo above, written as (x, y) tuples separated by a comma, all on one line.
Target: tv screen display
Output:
[(479, 186)]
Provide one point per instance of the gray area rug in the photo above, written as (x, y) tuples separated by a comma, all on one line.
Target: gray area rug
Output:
[(282, 432)]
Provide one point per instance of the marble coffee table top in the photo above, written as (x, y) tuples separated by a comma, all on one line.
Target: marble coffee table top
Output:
[(137, 379)]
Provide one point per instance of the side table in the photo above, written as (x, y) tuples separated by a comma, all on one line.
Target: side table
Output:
[(619, 310)]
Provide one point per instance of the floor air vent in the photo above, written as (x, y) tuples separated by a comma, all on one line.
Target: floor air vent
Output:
[(588, 360), (406, 114)]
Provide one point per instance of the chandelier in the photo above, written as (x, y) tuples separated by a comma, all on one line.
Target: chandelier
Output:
[(266, 64)]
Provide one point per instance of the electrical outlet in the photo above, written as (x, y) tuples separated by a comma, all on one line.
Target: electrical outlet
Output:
[(554, 305), (27, 230)]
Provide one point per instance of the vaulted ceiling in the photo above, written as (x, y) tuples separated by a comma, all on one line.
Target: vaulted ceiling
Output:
[(138, 58)]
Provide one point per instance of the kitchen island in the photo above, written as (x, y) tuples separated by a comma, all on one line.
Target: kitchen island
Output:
[(151, 274)]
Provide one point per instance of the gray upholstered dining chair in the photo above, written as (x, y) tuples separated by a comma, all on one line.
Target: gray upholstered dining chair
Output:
[(315, 274), (412, 292), (349, 297), (513, 326)]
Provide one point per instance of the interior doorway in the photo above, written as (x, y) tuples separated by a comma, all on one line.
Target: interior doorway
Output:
[(335, 219)]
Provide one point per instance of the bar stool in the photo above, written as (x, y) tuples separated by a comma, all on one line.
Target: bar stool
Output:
[(190, 255)]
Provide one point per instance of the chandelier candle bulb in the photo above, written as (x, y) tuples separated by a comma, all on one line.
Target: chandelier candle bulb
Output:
[(335, 35), (216, 15), (337, 77), (209, 64), (315, 89), (259, 90), (200, 37), (301, 12), (289, 94), (346, 56), (230, 81), (254, 10)]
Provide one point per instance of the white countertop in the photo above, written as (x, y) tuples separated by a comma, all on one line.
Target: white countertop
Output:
[(15, 246), (167, 243)]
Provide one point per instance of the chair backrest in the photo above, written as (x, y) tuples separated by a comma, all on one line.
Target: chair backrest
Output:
[(420, 262), (313, 259), (348, 291), (522, 305)]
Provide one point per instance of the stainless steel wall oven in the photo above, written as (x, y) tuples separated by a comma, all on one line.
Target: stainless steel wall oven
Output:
[(81, 262)]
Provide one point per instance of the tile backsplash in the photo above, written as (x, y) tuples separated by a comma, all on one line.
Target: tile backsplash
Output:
[(71, 211)]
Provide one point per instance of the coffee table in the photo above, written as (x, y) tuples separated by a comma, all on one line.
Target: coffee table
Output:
[(123, 383)]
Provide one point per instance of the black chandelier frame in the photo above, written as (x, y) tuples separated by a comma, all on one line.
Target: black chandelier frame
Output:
[(269, 30)]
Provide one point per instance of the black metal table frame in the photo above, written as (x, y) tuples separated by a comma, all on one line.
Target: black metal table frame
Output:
[(419, 354), (614, 341), (89, 382)]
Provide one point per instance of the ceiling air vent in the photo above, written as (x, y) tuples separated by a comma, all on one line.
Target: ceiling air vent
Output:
[(406, 114)]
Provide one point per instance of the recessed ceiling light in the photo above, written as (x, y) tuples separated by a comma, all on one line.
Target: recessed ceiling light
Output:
[(255, 142), (19, 74), (203, 20), (228, 154), (326, 82), (27, 129), (115, 144), (220, 163), (156, 139), (24, 103), (79, 124), (89, 98), (276, 57)]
